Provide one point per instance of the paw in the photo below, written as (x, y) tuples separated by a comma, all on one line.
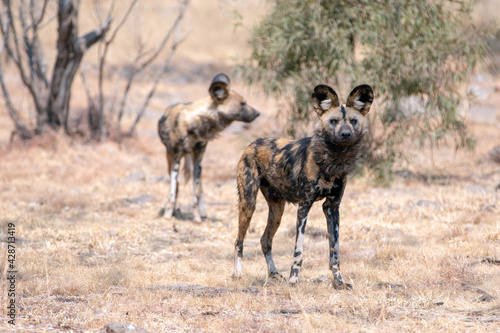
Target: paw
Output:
[(338, 282), (236, 275), (168, 212), (341, 286), (199, 214), (277, 276), (197, 218), (293, 280)]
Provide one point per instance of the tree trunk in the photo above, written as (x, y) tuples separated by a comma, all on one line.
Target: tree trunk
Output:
[(70, 51)]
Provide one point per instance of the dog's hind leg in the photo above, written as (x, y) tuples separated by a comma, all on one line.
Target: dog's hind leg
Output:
[(276, 207), (248, 186), (199, 209), (173, 163)]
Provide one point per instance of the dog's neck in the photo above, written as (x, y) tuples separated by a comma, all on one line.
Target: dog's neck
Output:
[(223, 120), (211, 123), (335, 160)]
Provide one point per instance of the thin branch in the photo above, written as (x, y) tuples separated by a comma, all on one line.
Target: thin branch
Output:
[(87, 90), (162, 44), (102, 61), (37, 50), (95, 35), (10, 37), (92, 109), (144, 64), (24, 131), (37, 21), (175, 25), (159, 73)]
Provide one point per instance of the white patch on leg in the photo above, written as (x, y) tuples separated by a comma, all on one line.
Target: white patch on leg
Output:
[(173, 184), (338, 281), (196, 201), (271, 268), (170, 207), (203, 210), (237, 266), (297, 260)]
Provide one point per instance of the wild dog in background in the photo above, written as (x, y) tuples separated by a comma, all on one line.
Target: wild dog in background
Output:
[(302, 172), (185, 130)]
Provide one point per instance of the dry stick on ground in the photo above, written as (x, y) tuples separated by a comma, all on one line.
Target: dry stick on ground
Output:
[(139, 67)]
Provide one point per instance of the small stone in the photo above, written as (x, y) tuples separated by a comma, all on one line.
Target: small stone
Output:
[(476, 189), (124, 328), (143, 198), (485, 298), (428, 203), (488, 208), (138, 176)]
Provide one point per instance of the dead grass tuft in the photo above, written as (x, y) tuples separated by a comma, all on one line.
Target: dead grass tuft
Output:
[(457, 270)]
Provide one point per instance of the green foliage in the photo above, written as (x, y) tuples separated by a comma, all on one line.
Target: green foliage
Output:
[(414, 53)]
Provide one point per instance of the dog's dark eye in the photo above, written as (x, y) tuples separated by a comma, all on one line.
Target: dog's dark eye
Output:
[(243, 103), (354, 122), (334, 121)]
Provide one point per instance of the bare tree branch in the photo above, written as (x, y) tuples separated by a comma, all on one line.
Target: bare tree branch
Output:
[(13, 50), (36, 21), (20, 27), (24, 131), (175, 25), (93, 118), (102, 61), (12, 41), (159, 73), (32, 47), (37, 50), (94, 36)]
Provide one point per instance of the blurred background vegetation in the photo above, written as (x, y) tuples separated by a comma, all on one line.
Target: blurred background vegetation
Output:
[(416, 54)]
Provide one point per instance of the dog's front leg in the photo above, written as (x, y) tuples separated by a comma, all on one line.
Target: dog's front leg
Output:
[(172, 196), (331, 210), (199, 210), (302, 212)]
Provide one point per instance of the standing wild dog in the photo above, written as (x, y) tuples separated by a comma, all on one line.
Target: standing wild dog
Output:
[(185, 130), (302, 172)]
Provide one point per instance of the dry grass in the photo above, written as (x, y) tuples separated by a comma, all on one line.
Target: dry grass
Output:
[(89, 255), (91, 251)]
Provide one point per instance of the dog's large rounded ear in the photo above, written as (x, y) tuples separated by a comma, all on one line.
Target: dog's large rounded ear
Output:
[(324, 98), (361, 98), (219, 88)]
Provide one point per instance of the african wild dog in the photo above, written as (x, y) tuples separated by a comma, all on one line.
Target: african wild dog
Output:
[(185, 130), (302, 172)]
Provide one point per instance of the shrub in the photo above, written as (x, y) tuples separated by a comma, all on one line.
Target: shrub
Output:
[(416, 54)]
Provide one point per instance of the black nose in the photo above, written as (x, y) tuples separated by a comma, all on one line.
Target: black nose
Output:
[(345, 134)]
